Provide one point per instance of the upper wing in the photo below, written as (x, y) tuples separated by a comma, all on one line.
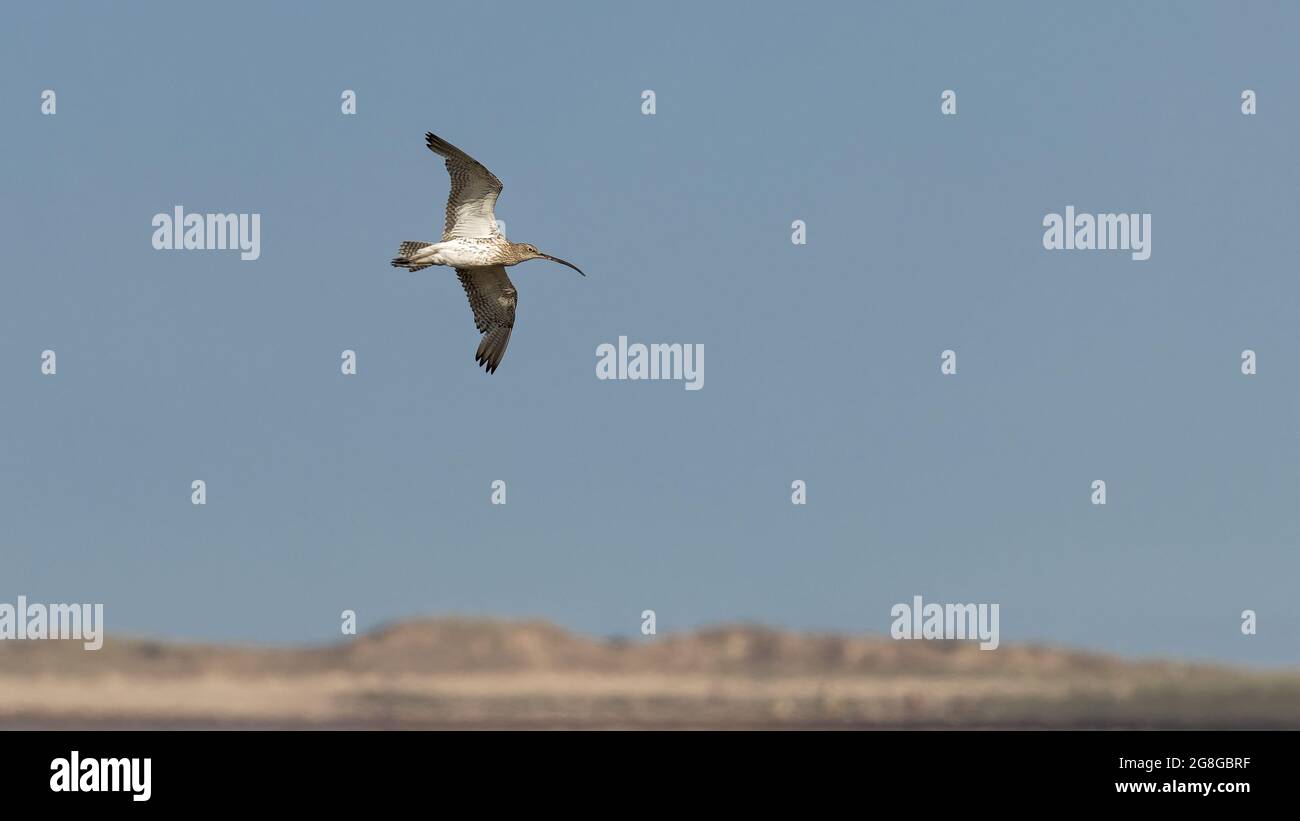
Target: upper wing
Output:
[(474, 191), (492, 297)]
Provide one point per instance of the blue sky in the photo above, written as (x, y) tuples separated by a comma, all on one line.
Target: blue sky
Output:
[(924, 232)]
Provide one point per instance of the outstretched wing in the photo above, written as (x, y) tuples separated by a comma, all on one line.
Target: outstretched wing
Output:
[(474, 191), (492, 297)]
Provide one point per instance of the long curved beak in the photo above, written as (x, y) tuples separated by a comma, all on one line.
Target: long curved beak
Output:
[(562, 262)]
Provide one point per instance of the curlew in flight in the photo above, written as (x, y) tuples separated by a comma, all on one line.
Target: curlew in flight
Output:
[(476, 248)]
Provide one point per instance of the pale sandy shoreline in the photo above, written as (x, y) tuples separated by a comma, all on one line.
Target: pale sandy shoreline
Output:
[(483, 674)]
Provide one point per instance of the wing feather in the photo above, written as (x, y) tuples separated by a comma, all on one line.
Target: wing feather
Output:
[(492, 298), (471, 205)]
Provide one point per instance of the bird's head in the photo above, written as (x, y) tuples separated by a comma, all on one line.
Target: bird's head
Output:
[(524, 251)]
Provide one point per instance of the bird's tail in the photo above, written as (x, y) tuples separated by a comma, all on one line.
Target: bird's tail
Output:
[(406, 251)]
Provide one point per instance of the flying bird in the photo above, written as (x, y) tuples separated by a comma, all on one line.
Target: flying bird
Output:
[(474, 245)]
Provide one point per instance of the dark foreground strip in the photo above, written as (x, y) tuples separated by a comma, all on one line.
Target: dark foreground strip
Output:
[(545, 771)]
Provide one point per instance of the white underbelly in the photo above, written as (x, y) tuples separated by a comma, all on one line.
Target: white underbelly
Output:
[(460, 254)]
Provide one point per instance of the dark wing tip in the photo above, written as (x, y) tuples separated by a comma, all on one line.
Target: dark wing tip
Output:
[(488, 364), (451, 154), (492, 349), (443, 148)]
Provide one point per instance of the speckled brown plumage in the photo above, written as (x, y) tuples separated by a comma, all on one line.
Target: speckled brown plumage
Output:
[(492, 298)]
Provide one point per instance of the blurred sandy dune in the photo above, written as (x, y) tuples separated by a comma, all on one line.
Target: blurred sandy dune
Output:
[(494, 674)]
